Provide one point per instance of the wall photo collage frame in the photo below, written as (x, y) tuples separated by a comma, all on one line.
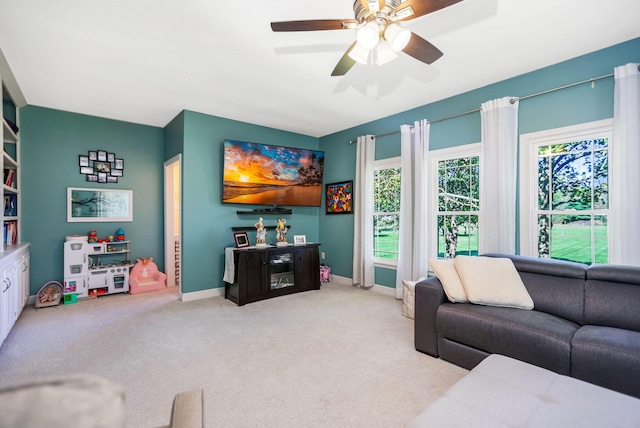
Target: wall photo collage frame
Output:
[(100, 166)]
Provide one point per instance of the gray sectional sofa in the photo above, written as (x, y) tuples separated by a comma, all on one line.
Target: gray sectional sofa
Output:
[(585, 323)]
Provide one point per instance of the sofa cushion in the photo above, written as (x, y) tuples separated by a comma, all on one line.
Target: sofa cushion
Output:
[(492, 281), (608, 357), (532, 336), (445, 270), (612, 295), (556, 286)]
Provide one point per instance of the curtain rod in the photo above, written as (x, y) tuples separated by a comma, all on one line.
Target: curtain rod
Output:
[(512, 100), (592, 81)]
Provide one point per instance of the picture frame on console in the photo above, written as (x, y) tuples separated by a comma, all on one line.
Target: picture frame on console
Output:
[(241, 239), (299, 239)]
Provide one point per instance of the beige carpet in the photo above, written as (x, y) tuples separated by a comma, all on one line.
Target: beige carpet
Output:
[(337, 357)]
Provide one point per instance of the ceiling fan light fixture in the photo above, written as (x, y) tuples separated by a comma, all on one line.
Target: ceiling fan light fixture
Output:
[(397, 36), (384, 53), (359, 54), (368, 35)]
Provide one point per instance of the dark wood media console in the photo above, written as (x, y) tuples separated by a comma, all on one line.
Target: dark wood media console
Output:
[(263, 273)]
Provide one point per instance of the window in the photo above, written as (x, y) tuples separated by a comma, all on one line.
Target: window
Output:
[(566, 197), (386, 211), (456, 192)]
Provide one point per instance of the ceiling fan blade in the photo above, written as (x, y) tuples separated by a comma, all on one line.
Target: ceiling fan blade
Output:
[(417, 8), (314, 25), (422, 50), (345, 63)]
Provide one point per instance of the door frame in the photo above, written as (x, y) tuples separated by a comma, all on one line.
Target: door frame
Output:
[(169, 190)]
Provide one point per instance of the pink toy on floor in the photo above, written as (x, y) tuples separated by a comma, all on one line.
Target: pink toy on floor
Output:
[(145, 276)]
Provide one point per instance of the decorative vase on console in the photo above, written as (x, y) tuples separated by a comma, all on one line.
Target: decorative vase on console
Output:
[(261, 234), (281, 233)]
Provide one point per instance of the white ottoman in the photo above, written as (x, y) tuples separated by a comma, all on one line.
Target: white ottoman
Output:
[(503, 392)]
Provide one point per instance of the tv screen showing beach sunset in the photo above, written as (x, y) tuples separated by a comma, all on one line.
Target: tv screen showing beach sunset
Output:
[(262, 174)]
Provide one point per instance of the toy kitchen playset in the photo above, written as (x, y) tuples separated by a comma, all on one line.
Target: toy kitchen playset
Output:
[(95, 268)]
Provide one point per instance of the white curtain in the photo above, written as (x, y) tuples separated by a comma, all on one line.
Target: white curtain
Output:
[(412, 246), (624, 172), (497, 223), (363, 270)]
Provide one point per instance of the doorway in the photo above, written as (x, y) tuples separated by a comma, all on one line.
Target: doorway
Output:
[(172, 221)]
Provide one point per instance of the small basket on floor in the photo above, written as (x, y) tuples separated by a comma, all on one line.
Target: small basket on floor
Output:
[(49, 294), (70, 298)]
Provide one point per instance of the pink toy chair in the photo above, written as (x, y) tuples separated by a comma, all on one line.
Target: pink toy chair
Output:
[(145, 277)]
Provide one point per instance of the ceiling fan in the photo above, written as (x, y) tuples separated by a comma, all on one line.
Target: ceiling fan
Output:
[(378, 30)]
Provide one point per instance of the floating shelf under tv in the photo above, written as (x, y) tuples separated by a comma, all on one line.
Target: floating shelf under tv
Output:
[(266, 211), (250, 228)]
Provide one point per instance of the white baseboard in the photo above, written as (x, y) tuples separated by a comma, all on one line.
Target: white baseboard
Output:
[(388, 291), (203, 294), (342, 280)]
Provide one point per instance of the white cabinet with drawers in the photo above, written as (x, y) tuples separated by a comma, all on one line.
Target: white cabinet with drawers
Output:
[(14, 286)]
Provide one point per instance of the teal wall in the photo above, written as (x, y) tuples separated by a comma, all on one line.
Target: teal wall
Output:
[(562, 108), (174, 137), (206, 222), (51, 141)]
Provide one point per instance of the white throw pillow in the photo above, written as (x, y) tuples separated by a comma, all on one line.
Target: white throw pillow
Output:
[(492, 281), (446, 272)]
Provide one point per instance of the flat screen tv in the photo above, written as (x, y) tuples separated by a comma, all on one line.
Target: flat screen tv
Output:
[(262, 174)]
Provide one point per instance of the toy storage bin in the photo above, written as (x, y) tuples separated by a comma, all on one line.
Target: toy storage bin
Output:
[(325, 273), (70, 298)]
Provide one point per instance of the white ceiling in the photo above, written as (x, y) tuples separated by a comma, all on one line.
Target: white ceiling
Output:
[(144, 61)]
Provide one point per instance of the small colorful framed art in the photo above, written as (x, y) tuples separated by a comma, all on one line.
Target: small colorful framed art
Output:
[(339, 197)]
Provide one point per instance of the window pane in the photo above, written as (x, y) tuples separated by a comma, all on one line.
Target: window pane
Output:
[(475, 185), (543, 183), (385, 236), (457, 235), (459, 186), (579, 238), (600, 143), (601, 179), (572, 199), (387, 190), (458, 192), (579, 182), (571, 181), (571, 147), (544, 236), (601, 239), (386, 208)]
